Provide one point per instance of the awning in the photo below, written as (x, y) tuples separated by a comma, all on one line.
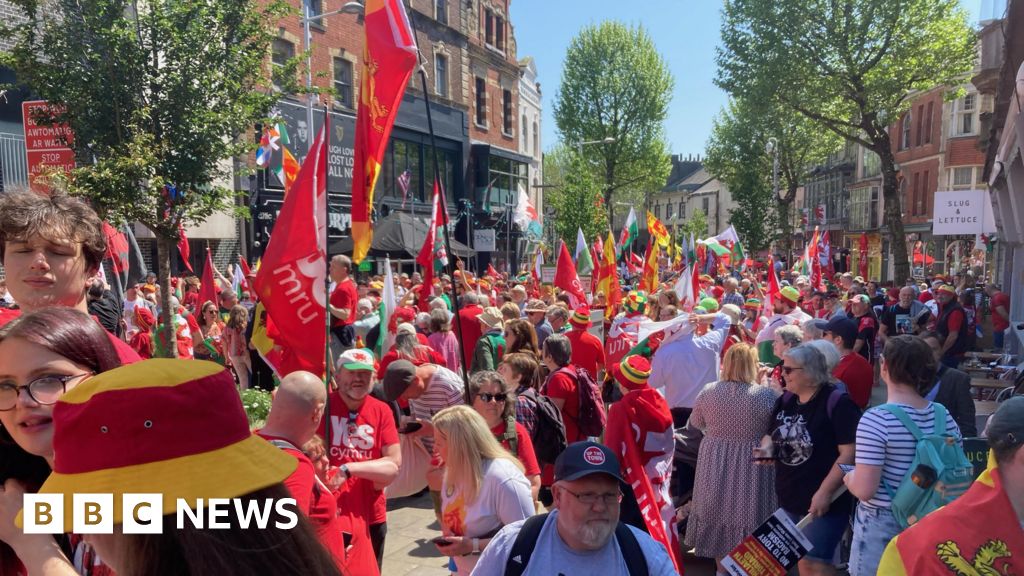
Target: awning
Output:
[(399, 235)]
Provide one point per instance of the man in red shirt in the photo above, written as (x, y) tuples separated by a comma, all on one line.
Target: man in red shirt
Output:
[(362, 440), (43, 265), (561, 388), (999, 303), (471, 329), (293, 420), (587, 351), (343, 301), (853, 369)]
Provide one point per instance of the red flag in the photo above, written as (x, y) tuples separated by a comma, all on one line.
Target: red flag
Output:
[(208, 286), (290, 281), (117, 248), (567, 279), (428, 252), (491, 271), (183, 248), (773, 287), (389, 57)]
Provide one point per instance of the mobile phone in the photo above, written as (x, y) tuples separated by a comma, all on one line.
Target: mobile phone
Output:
[(846, 468), (410, 427), (441, 541)]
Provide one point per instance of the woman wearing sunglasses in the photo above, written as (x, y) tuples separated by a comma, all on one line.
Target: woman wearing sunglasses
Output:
[(483, 490), (493, 400), (814, 428), (42, 355)]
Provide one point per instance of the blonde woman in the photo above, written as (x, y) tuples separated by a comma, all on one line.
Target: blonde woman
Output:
[(732, 495), (484, 487)]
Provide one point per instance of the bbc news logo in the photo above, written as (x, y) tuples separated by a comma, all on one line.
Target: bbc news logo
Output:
[(143, 513)]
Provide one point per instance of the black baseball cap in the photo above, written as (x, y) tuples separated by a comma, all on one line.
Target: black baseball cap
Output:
[(842, 327), (581, 459)]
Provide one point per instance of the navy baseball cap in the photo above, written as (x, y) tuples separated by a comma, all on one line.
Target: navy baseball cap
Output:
[(581, 459), (842, 327)]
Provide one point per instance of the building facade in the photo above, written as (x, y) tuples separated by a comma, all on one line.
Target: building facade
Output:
[(530, 118), (690, 188)]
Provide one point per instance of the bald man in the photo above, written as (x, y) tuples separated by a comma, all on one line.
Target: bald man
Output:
[(294, 418)]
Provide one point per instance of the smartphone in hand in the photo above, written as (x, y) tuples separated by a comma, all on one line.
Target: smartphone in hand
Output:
[(441, 541)]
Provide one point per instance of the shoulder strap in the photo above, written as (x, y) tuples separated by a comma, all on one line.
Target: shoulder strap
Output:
[(833, 400), (904, 419), (283, 444), (636, 562), (522, 547), (511, 436), (940, 418)]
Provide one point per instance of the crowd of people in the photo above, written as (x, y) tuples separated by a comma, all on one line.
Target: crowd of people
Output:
[(545, 430)]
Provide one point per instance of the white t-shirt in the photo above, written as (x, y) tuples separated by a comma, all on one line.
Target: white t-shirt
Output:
[(551, 556), (504, 497)]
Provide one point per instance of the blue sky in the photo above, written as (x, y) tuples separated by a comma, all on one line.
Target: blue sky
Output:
[(684, 31)]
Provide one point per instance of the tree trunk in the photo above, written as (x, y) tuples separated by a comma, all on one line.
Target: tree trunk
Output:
[(163, 257), (893, 213)]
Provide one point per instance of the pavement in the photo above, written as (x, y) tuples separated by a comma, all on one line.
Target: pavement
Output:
[(411, 525)]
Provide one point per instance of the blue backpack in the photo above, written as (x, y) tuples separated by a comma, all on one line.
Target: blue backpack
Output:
[(939, 474)]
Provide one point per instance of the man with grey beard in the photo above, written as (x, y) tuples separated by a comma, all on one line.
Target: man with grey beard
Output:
[(582, 535)]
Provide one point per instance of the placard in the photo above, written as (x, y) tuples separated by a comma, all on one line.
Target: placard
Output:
[(46, 146), (484, 240), (547, 274), (774, 547), (963, 212)]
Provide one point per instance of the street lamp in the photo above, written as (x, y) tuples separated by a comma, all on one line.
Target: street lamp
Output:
[(307, 40), (582, 143), (772, 147)]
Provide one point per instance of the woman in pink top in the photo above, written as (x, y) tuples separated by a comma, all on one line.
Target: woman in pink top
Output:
[(443, 341)]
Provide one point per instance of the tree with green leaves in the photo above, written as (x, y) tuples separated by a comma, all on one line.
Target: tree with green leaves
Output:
[(160, 96), (696, 224), (574, 195), (740, 154), (851, 66), (616, 86)]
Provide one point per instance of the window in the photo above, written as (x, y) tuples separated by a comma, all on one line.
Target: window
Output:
[(281, 51), (316, 8), (536, 140), (682, 209), (657, 211), (488, 27), (965, 111), (499, 32), (705, 203), (924, 193), (526, 135), (920, 124), (872, 164), (441, 75), (928, 123), (343, 82), (916, 191), (668, 211), (441, 11), (962, 178), (506, 112), (481, 102), (905, 142)]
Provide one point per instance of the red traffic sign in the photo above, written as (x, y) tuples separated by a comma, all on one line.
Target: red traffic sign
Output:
[(46, 146)]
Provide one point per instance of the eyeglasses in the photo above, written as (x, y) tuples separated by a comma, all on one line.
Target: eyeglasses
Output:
[(789, 369), (486, 397), (590, 498), (44, 391)]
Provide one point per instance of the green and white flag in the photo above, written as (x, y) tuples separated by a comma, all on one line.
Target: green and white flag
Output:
[(629, 232), (584, 263), (387, 307)]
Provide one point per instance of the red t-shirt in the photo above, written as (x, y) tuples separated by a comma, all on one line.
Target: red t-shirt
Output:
[(471, 330), (423, 355), (360, 439), (999, 322), (526, 454), (858, 375), (587, 350), (316, 502), (125, 353), (344, 296), (562, 385)]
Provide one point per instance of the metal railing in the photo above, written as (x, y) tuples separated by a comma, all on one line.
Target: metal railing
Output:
[(12, 159)]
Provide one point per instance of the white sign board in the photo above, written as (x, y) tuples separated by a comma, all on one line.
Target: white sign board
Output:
[(963, 212), (484, 240), (547, 274)]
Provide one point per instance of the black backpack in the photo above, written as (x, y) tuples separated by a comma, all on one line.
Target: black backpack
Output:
[(548, 434), (526, 541)]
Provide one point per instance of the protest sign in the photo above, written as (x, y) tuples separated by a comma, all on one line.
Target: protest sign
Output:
[(774, 547)]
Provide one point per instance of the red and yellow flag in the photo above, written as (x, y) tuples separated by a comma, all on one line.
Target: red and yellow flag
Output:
[(389, 57), (657, 230), (609, 281), (649, 276)]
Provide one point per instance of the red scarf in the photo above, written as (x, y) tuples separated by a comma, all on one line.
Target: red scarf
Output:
[(640, 432), (979, 533)]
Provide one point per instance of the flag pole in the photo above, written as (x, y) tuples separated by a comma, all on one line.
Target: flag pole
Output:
[(328, 357), (444, 206)]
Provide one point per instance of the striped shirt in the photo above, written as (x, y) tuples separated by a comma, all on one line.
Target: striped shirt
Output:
[(882, 440), (734, 298), (444, 389)]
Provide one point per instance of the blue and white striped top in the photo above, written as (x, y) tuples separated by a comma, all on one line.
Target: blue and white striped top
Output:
[(882, 440)]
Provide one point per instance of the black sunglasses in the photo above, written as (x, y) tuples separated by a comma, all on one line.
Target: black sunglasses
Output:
[(488, 397), (789, 369)]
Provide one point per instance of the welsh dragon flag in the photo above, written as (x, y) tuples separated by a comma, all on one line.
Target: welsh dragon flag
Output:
[(629, 232), (584, 264)]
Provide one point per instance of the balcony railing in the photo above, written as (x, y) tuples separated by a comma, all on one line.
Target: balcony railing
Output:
[(12, 160)]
